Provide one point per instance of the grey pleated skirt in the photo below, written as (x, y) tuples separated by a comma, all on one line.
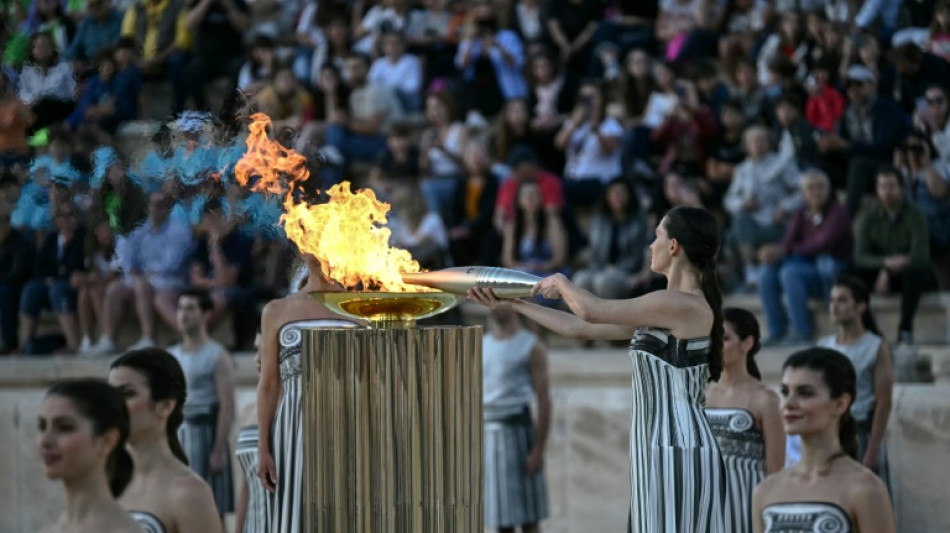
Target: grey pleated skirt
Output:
[(197, 435), (512, 498)]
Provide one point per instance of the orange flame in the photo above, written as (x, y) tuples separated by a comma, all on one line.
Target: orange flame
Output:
[(345, 234), (279, 168)]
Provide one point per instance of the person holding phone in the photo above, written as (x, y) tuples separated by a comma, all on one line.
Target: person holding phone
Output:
[(591, 140)]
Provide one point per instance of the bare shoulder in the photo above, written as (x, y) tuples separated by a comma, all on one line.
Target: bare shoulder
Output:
[(685, 314), (274, 309), (190, 494), (766, 397), (766, 490), (863, 485)]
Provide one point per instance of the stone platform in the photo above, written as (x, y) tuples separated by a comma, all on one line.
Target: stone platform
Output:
[(586, 459)]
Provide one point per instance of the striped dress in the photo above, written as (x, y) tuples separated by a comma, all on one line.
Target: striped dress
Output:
[(287, 442), (678, 483), (198, 432), (742, 445), (805, 517), (512, 498), (257, 519)]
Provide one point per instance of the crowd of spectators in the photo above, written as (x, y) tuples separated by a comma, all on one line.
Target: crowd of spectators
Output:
[(548, 136)]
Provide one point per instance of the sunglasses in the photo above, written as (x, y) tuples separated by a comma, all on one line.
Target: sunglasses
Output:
[(939, 100)]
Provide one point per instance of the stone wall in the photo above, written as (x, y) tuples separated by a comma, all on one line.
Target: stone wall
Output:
[(586, 463)]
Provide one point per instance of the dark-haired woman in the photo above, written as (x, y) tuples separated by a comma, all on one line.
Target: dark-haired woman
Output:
[(676, 472), (165, 496), (617, 240), (46, 84), (744, 416), (79, 421), (827, 490), (858, 338)]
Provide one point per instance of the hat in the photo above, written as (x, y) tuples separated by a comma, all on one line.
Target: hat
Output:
[(522, 154), (859, 73)]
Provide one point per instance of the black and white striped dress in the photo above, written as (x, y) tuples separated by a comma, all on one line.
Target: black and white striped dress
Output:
[(677, 479), (257, 519), (742, 446), (200, 428), (287, 443), (806, 517)]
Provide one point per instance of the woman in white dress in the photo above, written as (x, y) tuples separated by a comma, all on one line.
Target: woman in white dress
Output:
[(280, 445)]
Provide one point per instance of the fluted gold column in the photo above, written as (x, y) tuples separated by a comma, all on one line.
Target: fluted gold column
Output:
[(392, 430)]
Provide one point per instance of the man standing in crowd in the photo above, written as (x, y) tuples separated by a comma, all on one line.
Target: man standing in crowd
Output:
[(515, 374), (209, 407), (857, 337)]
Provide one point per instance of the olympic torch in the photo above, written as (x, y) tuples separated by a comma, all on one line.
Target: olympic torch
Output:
[(505, 283)]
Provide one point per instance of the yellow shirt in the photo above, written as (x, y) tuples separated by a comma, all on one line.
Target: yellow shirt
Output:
[(154, 14)]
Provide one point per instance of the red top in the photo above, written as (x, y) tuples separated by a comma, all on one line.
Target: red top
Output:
[(552, 193), (825, 108)]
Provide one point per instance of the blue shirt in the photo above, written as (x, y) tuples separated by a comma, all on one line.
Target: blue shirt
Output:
[(510, 80), (94, 35), (161, 252)]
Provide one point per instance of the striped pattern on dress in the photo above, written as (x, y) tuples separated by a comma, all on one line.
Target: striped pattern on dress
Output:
[(676, 472), (197, 435), (149, 522), (805, 517), (511, 497), (258, 517), (287, 441), (742, 446)]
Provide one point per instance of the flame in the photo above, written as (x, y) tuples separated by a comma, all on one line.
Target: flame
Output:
[(346, 234), (279, 169)]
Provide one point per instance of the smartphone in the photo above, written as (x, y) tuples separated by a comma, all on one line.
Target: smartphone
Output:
[(922, 106)]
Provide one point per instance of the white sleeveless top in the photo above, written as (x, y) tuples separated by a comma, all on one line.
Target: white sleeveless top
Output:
[(863, 355), (441, 164), (198, 367), (506, 374)]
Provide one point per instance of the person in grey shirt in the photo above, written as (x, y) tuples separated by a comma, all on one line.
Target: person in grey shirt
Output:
[(857, 337), (763, 194)]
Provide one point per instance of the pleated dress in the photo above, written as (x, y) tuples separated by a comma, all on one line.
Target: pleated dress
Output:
[(677, 478)]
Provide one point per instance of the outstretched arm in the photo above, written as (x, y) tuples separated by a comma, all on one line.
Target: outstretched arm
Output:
[(564, 324), (675, 311)]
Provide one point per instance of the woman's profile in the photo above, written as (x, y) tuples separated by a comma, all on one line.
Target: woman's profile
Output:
[(83, 426), (676, 473)]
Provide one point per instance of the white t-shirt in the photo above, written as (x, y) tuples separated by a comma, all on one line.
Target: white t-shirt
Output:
[(405, 75), (585, 157)]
